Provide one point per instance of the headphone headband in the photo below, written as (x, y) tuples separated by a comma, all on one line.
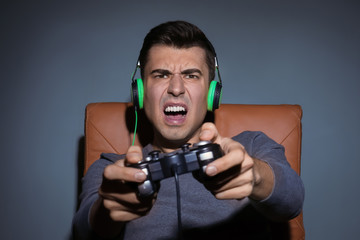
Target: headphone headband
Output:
[(217, 70), (133, 75)]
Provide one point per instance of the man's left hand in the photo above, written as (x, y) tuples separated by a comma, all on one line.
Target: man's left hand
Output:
[(236, 175)]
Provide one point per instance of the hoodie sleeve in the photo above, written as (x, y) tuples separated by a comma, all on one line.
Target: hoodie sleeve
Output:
[(91, 183), (286, 200)]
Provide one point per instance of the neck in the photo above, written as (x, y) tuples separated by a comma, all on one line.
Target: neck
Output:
[(166, 145)]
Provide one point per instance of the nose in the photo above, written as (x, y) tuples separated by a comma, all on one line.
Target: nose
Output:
[(176, 85)]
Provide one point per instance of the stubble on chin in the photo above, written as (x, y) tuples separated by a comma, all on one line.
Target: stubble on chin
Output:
[(174, 139)]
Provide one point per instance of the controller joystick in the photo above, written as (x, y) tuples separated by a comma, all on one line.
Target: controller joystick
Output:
[(188, 159)]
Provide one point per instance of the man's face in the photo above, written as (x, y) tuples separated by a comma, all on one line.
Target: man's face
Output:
[(175, 98)]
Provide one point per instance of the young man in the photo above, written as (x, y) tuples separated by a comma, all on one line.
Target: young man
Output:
[(251, 186)]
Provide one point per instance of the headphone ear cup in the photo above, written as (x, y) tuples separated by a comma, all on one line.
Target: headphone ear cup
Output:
[(214, 95), (137, 93)]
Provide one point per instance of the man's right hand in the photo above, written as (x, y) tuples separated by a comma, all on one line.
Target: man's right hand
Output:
[(118, 202)]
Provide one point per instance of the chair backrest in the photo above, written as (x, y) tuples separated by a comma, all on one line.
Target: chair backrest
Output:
[(109, 128)]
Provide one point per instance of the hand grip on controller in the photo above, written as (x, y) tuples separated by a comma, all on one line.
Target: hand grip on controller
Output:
[(188, 159)]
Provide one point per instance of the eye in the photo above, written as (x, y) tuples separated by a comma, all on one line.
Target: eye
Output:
[(161, 76), (191, 76)]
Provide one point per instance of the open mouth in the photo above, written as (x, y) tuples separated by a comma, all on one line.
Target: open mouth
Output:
[(175, 110), (175, 114)]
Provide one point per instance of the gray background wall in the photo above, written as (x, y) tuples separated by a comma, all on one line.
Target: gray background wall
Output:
[(58, 56)]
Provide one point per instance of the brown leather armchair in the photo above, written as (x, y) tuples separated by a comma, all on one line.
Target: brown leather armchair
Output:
[(109, 128)]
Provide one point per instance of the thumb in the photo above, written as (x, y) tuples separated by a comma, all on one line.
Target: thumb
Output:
[(210, 133), (134, 154)]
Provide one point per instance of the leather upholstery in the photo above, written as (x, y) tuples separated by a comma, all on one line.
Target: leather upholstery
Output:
[(109, 128)]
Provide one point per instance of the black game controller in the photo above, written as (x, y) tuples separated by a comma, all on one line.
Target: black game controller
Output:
[(188, 159)]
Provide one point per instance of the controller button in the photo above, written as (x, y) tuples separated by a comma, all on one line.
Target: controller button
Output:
[(201, 143), (146, 189), (145, 171), (206, 156), (185, 147), (155, 154)]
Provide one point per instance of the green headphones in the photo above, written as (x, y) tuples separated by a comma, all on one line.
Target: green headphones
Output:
[(137, 93), (213, 99)]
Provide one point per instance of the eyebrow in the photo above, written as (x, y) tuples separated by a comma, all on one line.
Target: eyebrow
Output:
[(191, 70), (167, 72), (161, 71)]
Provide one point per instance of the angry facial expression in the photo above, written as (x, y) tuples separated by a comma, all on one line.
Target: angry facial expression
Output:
[(175, 93)]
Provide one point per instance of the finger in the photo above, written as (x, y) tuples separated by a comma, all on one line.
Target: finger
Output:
[(124, 215), (134, 155), (216, 182), (237, 182), (235, 154), (235, 193), (135, 205), (209, 132), (116, 172), (118, 191)]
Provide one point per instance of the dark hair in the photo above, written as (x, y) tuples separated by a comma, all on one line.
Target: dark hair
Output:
[(178, 34)]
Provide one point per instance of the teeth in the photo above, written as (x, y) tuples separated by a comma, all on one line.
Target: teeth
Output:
[(174, 109)]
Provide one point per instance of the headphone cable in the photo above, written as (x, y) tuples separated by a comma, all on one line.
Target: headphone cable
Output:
[(135, 129), (178, 201)]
